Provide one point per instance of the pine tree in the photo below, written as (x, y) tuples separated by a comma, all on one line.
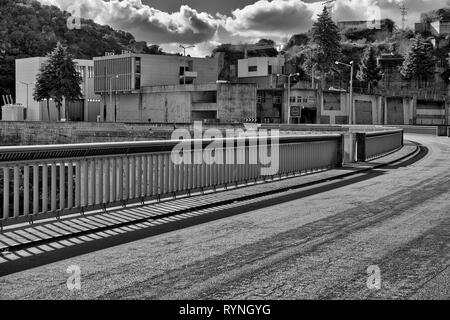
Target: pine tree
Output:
[(42, 88), (58, 79), (419, 63), (325, 46), (369, 71)]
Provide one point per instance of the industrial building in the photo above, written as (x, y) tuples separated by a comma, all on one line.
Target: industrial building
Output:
[(169, 88), (262, 72), (85, 109), (437, 27)]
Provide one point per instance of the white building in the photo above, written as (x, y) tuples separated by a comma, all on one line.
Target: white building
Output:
[(125, 83), (260, 66), (85, 109)]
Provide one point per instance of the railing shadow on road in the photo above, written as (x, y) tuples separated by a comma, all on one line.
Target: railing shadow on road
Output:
[(50, 252)]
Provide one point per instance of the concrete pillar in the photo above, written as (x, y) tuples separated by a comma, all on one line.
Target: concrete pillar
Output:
[(318, 106), (349, 147)]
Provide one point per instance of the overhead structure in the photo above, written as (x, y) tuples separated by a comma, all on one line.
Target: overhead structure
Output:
[(404, 13)]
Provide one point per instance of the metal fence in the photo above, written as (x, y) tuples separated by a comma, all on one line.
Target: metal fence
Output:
[(371, 145), (49, 181)]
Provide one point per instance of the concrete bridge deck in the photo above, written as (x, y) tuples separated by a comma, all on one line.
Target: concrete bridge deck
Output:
[(316, 241)]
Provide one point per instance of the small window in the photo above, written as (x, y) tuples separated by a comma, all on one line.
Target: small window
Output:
[(138, 65), (277, 99), (269, 71), (252, 68), (292, 99), (299, 99), (305, 100), (137, 83), (90, 72)]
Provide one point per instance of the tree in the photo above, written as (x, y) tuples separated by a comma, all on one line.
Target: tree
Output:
[(419, 63), (325, 46), (369, 71), (42, 88), (58, 79)]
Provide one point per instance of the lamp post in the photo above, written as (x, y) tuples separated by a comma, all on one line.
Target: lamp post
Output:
[(110, 95), (184, 55), (289, 92), (350, 117)]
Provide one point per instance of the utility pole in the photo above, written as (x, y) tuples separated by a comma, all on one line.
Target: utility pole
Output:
[(289, 92), (404, 13), (110, 95), (185, 61), (351, 66)]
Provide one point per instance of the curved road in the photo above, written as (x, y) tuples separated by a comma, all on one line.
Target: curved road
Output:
[(317, 247)]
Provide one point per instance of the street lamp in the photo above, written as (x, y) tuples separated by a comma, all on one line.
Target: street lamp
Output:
[(110, 95), (289, 92), (350, 117), (184, 55)]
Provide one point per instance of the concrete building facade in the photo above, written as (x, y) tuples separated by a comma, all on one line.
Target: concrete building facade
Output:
[(168, 88), (260, 67), (214, 103), (437, 27), (85, 109)]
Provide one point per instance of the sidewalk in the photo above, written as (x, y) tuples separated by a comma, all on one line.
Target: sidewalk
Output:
[(88, 227)]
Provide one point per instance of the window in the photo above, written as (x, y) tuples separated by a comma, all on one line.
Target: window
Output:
[(277, 100), (90, 72), (305, 100), (299, 99), (269, 71), (137, 83), (138, 65), (82, 72), (292, 99), (261, 99), (252, 68)]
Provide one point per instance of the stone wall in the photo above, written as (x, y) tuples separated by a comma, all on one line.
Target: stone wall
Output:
[(14, 133)]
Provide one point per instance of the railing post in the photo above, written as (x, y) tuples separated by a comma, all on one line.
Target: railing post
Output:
[(340, 152), (361, 147), (5, 192)]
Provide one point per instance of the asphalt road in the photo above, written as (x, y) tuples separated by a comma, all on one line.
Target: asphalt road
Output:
[(317, 247)]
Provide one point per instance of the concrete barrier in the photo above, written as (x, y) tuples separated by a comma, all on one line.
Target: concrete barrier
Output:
[(442, 131), (431, 130), (371, 145)]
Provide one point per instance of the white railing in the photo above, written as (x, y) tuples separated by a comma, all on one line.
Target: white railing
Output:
[(38, 182)]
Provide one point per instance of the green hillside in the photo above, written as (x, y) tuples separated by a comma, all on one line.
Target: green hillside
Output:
[(29, 29)]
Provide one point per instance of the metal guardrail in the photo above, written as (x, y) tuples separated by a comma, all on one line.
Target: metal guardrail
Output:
[(371, 145), (39, 182)]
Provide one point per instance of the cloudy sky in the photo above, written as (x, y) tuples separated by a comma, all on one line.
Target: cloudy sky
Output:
[(206, 23)]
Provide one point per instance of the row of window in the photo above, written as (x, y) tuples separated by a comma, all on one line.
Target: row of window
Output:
[(82, 71), (300, 99), (269, 69), (275, 99)]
